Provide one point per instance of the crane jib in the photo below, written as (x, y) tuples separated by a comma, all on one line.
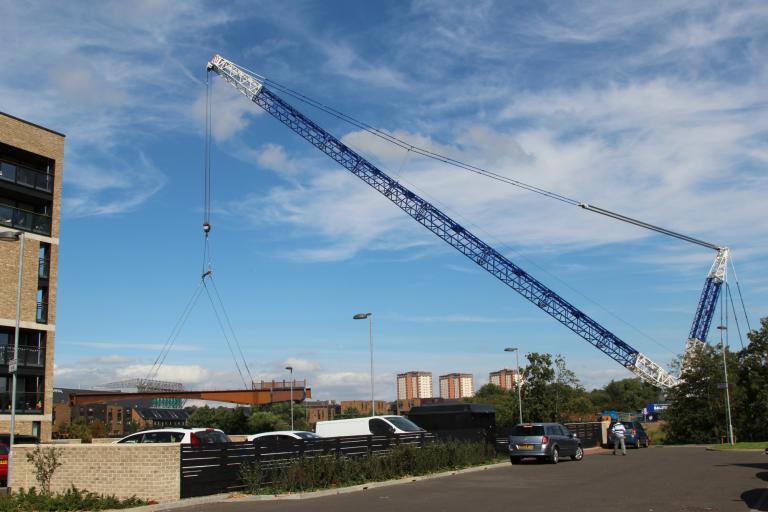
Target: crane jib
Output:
[(450, 231)]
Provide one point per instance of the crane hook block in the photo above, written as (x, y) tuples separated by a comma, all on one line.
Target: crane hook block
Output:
[(206, 228)]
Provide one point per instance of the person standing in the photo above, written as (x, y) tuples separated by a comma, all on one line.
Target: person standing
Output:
[(619, 431)]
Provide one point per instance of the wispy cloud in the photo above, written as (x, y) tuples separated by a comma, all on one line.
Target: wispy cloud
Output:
[(137, 346)]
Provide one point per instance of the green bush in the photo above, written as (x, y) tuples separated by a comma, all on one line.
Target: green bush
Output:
[(71, 499), (306, 474)]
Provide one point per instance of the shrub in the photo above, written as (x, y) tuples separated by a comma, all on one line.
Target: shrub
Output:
[(72, 499), (45, 461), (305, 474)]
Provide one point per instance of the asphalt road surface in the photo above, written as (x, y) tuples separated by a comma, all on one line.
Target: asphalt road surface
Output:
[(649, 480)]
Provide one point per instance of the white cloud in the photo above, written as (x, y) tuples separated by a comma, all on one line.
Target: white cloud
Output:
[(135, 346), (302, 365), (106, 360)]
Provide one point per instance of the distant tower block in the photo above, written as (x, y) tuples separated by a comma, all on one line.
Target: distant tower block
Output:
[(457, 385), (412, 385), (505, 378)]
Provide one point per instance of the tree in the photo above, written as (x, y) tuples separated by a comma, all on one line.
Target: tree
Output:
[(78, 429), (697, 410), (97, 429), (503, 401), (283, 410), (350, 413), (231, 421), (538, 398), (628, 395), (750, 393), (202, 417), (264, 421)]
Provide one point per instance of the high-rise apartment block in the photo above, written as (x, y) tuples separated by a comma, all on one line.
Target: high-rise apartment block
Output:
[(457, 385), (505, 379), (31, 165), (414, 385)]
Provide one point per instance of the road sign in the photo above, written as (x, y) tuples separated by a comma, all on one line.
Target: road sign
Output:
[(13, 365)]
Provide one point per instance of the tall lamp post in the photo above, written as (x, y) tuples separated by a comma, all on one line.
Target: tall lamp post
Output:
[(518, 380), (290, 369), (13, 365), (722, 328), (369, 316)]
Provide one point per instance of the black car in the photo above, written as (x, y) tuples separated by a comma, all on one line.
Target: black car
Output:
[(545, 441)]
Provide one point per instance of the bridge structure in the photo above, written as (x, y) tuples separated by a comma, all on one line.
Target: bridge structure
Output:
[(262, 393)]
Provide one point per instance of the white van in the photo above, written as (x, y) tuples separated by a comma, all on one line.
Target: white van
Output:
[(371, 425)]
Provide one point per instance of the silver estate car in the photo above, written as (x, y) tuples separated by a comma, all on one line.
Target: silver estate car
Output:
[(546, 441)]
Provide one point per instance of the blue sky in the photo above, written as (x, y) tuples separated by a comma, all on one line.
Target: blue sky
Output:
[(656, 110)]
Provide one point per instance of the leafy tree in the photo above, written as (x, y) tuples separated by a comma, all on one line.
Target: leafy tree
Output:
[(97, 429), (78, 429), (750, 394), (231, 421), (628, 395), (265, 421), (538, 398), (697, 410), (283, 410), (503, 401), (202, 417)]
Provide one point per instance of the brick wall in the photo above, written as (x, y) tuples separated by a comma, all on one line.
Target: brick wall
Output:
[(149, 471)]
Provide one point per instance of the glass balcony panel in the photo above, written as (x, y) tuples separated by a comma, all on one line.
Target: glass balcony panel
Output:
[(7, 171), (29, 357), (26, 403), (42, 269), (42, 312), (25, 177)]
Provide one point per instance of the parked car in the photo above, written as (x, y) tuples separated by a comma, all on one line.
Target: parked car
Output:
[(545, 441), (371, 425), (183, 435), (281, 435), (635, 435)]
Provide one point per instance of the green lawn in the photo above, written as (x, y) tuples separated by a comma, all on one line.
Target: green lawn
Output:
[(742, 446)]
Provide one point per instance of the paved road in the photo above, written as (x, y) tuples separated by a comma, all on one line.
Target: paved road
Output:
[(650, 480)]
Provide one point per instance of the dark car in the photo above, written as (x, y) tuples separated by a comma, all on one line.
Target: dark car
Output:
[(545, 441), (635, 435)]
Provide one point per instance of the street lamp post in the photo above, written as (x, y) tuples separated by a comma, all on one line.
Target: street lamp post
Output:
[(13, 365), (290, 369), (518, 380), (722, 328), (369, 316)]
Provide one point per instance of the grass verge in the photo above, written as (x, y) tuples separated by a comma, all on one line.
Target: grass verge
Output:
[(741, 446)]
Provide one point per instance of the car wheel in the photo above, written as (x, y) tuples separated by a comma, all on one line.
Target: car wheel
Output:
[(579, 453), (555, 457), (515, 460)]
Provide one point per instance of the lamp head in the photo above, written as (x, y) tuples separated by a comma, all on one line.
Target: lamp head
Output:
[(510, 349), (361, 316)]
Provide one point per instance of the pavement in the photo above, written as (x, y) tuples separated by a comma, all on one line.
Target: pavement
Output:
[(679, 479)]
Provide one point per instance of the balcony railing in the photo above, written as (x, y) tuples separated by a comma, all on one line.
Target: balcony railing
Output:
[(42, 313), (26, 403), (29, 357), (26, 177), (24, 220), (43, 268)]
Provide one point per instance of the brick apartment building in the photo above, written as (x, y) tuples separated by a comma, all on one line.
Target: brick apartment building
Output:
[(31, 169), (364, 406), (412, 385), (457, 386), (505, 378)]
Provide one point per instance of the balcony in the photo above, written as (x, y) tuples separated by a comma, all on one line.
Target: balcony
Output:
[(42, 313), (24, 220), (26, 177), (43, 268), (26, 403), (29, 357)]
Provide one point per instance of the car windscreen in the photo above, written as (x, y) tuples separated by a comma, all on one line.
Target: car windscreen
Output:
[(212, 436), (528, 430), (403, 424), (307, 435)]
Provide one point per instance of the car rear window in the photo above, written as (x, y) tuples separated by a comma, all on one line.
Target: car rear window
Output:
[(528, 430), (212, 436), (307, 435), (3, 449), (404, 424)]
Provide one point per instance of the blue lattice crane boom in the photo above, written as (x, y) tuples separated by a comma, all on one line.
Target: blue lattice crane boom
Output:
[(454, 234)]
